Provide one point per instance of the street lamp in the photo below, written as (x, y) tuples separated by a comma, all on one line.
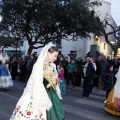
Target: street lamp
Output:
[(97, 40), (17, 38), (112, 42), (0, 18)]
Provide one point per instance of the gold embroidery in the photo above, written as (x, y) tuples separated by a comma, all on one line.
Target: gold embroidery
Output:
[(49, 75)]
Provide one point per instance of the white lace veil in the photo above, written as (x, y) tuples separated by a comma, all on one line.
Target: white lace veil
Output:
[(4, 59), (117, 86), (35, 87)]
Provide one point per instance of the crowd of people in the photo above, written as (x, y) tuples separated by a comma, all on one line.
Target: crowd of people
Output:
[(103, 73), (93, 72), (87, 73)]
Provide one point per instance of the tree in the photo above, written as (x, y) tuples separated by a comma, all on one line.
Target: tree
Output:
[(7, 42), (101, 26), (42, 21)]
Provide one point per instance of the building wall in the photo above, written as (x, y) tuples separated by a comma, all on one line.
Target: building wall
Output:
[(103, 12), (77, 46)]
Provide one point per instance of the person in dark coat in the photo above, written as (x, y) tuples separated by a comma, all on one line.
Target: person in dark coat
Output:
[(29, 66), (109, 60), (109, 79), (102, 68), (10, 61), (116, 65), (71, 72), (14, 67), (79, 71), (88, 72), (65, 67), (22, 70)]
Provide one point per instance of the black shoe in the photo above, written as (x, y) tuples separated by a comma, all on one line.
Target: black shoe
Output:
[(5, 89), (85, 98)]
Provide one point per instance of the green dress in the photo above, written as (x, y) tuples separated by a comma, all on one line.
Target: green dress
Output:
[(56, 112)]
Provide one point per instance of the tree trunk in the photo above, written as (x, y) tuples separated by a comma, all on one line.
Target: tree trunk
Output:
[(30, 50), (3, 48)]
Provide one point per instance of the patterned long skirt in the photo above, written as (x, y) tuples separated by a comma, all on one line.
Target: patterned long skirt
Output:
[(112, 107), (5, 77)]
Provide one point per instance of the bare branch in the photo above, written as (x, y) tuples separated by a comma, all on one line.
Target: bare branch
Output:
[(114, 31)]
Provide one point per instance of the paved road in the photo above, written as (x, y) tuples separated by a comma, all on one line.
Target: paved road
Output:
[(75, 107)]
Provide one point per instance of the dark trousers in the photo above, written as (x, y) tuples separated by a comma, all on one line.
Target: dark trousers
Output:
[(70, 76), (95, 82), (91, 86), (22, 77), (14, 74), (78, 80), (87, 86)]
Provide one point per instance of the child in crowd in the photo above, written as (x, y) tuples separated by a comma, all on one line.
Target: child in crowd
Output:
[(61, 78)]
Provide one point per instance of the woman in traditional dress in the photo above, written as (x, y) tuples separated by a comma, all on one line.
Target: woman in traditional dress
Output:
[(113, 101), (5, 76), (40, 100)]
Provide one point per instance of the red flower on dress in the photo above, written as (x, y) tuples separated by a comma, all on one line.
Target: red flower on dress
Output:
[(28, 113)]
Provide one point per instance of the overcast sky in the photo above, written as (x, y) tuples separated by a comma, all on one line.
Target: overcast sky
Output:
[(115, 10)]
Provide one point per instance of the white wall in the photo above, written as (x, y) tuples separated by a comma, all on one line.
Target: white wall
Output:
[(104, 11), (77, 46)]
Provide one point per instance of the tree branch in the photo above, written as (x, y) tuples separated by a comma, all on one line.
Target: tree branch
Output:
[(114, 31)]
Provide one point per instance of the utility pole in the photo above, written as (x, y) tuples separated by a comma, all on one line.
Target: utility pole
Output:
[(16, 45)]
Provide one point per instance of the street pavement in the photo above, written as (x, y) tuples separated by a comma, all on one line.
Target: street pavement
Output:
[(75, 107)]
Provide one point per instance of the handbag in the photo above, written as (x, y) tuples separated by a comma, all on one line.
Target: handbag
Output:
[(18, 70)]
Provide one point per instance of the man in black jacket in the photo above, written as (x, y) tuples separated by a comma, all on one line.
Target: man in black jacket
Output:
[(89, 73), (14, 66)]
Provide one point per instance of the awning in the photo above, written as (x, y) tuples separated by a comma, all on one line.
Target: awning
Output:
[(14, 52)]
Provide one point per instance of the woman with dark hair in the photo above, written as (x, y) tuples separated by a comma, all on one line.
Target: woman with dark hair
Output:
[(40, 100)]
